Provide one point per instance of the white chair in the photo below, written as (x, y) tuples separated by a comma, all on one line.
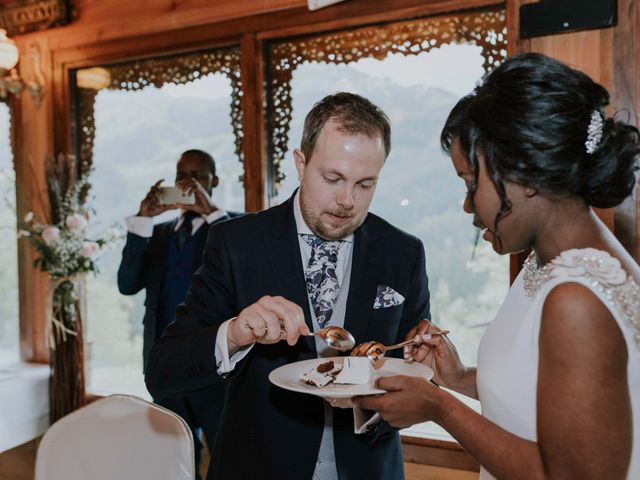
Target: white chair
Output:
[(118, 437)]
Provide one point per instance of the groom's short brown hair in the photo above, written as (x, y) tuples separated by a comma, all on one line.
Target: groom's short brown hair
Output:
[(353, 113)]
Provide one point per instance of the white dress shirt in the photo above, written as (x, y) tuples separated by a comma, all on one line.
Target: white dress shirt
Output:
[(143, 226)]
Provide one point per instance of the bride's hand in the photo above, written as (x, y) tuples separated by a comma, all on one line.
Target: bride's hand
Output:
[(438, 353), (409, 400)]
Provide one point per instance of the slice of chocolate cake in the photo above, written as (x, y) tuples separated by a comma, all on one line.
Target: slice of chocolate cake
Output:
[(321, 375), (325, 367)]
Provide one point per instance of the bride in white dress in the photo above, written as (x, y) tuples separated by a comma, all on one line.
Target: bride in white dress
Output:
[(558, 373)]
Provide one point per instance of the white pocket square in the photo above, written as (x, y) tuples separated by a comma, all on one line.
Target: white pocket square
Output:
[(387, 297)]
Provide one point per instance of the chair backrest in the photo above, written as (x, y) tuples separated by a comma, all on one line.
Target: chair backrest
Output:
[(118, 437)]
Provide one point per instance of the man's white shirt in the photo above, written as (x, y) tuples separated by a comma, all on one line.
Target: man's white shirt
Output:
[(143, 226)]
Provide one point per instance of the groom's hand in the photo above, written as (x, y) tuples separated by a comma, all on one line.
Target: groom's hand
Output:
[(269, 320)]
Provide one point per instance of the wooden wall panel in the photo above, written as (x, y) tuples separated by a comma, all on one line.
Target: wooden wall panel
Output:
[(173, 12), (437, 452), (358, 13), (106, 20), (611, 57), (100, 20), (626, 99), (590, 51)]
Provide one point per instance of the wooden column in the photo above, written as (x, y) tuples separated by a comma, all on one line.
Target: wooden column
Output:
[(32, 141), (255, 160), (514, 43)]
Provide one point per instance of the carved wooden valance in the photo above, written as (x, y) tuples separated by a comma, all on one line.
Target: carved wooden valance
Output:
[(487, 29), (23, 16), (158, 72)]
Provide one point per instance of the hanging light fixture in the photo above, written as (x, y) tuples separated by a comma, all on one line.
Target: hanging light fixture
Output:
[(9, 55), (95, 78), (10, 82), (8, 51)]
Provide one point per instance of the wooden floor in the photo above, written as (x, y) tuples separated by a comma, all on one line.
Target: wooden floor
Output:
[(414, 471), (19, 464)]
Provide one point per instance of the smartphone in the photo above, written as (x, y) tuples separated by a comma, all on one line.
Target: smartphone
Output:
[(172, 195)]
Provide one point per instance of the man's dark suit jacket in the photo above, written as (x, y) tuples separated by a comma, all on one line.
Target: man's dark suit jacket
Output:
[(267, 432)]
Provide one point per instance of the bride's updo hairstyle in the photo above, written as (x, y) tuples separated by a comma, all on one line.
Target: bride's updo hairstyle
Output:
[(541, 124)]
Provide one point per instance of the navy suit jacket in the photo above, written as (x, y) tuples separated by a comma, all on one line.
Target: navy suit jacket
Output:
[(267, 432)]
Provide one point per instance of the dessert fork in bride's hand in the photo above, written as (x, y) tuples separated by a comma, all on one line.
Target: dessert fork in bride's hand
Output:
[(375, 351)]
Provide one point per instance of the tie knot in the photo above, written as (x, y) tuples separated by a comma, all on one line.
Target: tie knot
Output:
[(327, 247), (188, 217)]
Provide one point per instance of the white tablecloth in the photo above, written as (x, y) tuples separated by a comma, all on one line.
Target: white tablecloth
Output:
[(24, 403)]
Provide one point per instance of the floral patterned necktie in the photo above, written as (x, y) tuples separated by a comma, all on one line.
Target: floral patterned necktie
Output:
[(320, 276)]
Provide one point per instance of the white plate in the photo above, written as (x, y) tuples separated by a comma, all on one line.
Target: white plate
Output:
[(288, 377)]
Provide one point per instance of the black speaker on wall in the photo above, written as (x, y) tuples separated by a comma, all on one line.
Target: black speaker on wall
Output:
[(557, 16)]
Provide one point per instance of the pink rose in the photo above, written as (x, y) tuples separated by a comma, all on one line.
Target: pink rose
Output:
[(50, 235), (89, 249), (76, 222)]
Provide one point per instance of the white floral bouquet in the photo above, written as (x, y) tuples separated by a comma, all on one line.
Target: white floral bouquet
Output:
[(65, 249)]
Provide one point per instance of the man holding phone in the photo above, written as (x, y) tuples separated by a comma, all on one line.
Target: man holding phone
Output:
[(162, 258)]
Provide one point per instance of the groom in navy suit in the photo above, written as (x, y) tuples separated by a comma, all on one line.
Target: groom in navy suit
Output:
[(162, 259), (270, 278)]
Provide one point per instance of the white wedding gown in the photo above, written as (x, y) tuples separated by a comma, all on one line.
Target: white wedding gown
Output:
[(508, 354)]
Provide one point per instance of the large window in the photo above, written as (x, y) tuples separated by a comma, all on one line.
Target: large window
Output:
[(138, 136), (9, 343), (418, 190)]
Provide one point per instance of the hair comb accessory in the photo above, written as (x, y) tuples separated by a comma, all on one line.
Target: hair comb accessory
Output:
[(594, 132)]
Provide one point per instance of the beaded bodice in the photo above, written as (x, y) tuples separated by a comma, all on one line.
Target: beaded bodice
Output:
[(604, 273)]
